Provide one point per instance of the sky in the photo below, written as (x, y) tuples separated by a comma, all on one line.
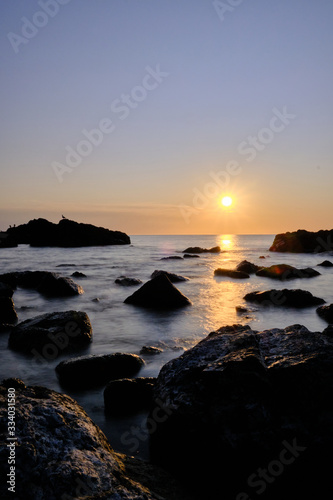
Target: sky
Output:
[(141, 115)]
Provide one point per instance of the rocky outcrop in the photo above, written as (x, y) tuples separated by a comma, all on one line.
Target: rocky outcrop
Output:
[(92, 371), (48, 284), (202, 250), (60, 454), (247, 267), (285, 272), (231, 273), (302, 241), (326, 312), (174, 278), (127, 396), (284, 298), (67, 233), (51, 334), (158, 293), (249, 413), (125, 281)]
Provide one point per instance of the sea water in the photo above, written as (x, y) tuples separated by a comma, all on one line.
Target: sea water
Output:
[(119, 327)]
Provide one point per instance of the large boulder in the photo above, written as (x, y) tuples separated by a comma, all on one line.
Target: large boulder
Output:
[(284, 298), (60, 454), (158, 293), (67, 233), (49, 284), (91, 371), (231, 273), (247, 267), (302, 241), (326, 312), (126, 396), (285, 272), (249, 413), (202, 250), (174, 278), (49, 335)]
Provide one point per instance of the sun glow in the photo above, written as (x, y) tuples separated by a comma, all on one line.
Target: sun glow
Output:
[(226, 201)]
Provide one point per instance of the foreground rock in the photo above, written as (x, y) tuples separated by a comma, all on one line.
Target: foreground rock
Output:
[(230, 273), (127, 396), (49, 284), (67, 233), (242, 404), (284, 298), (91, 371), (247, 267), (302, 241), (174, 278), (285, 272), (202, 250), (8, 315), (326, 312), (125, 281), (51, 334), (61, 454), (158, 293)]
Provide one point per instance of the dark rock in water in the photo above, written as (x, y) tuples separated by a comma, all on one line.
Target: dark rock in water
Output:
[(231, 273), (67, 233), (50, 284), (241, 404), (191, 256), (6, 290), (77, 274), (91, 371), (262, 257), (61, 454), (172, 257), (285, 272), (326, 263), (241, 309), (202, 250), (326, 312), (174, 278), (6, 241), (158, 293), (126, 396), (8, 314), (150, 350), (48, 335), (284, 298), (125, 281), (247, 267), (302, 241)]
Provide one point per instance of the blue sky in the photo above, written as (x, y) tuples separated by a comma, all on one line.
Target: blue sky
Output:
[(224, 74)]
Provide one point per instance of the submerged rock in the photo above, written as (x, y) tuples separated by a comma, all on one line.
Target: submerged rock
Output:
[(326, 312), (247, 267), (302, 241), (125, 281), (61, 454), (172, 257), (51, 334), (241, 402), (191, 256), (158, 293), (231, 273), (174, 278), (126, 396), (285, 272), (202, 250), (90, 371), (284, 298)]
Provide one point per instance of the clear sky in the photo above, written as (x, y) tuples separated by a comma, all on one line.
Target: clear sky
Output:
[(193, 99)]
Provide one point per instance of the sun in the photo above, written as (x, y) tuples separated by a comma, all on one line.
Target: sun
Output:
[(226, 201)]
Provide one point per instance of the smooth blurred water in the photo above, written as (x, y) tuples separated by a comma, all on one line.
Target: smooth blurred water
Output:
[(120, 327)]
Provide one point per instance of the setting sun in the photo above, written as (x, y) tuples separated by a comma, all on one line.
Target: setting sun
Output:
[(226, 201)]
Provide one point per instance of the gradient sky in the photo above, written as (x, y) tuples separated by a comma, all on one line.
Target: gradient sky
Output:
[(182, 141)]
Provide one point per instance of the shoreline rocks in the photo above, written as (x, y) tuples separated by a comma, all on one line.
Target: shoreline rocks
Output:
[(302, 241), (284, 298)]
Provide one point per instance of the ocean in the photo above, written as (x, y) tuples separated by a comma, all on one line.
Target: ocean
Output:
[(119, 327)]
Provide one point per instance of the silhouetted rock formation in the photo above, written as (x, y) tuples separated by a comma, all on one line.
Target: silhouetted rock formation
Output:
[(284, 298), (6, 241), (202, 250), (241, 404), (231, 273), (67, 233), (285, 272), (302, 241)]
